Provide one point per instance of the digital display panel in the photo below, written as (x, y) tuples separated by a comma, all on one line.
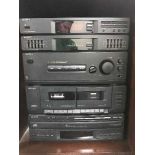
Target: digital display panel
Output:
[(66, 27), (69, 44)]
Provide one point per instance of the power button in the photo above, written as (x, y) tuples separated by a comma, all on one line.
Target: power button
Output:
[(92, 69), (30, 61)]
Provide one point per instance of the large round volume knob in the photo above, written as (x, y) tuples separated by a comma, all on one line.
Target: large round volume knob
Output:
[(106, 67)]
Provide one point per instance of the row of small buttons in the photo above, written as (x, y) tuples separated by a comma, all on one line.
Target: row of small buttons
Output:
[(120, 68), (117, 30), (76, 111)]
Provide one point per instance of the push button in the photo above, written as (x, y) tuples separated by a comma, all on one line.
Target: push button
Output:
[(30, 61), (92, 69), (120, 68), (120, 61), (26, 26), (119, 75)]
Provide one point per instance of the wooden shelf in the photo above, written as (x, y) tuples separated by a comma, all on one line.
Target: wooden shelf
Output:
[(28, 147)]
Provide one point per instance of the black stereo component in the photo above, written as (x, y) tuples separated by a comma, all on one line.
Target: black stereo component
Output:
[(74, 25), (76, 134), (75, 99), (78, 67), (75, 71), (74, 42), (76, 118), (76, 127)]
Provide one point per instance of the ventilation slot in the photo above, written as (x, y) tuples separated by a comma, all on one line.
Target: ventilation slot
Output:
[(35, 44), (114, 43), (114, 24)]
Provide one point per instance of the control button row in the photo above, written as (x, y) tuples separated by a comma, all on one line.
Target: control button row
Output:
[(76, 111), (117, 30)]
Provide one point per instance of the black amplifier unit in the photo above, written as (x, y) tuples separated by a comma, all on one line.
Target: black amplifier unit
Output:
[(73, 127), (74, 42), (74, 25), (75, 99), (75, 67)]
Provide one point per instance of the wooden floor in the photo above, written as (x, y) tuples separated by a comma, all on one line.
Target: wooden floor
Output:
[(73, 148)]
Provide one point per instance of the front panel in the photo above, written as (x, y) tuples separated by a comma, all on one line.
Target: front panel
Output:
[(89, 67), (76, 134), (75, 118), (74, 25), (76, 127), (74, 42), (76, 99)]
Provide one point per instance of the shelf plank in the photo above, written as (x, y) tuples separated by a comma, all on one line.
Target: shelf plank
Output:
[(28, 147)]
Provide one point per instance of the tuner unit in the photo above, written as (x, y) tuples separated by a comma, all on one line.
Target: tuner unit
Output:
[(74, 25)]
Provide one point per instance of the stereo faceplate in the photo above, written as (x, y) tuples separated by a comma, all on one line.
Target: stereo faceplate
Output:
[(76, 127), (74, 42), (78, 134), (75, 99), (74, 25), (81, 67)]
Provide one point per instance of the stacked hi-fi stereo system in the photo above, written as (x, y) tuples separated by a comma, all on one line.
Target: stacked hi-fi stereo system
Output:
[(75, 71)]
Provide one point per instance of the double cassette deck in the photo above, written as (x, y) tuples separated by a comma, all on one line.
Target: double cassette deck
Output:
[(75, 71), (76, 99)]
